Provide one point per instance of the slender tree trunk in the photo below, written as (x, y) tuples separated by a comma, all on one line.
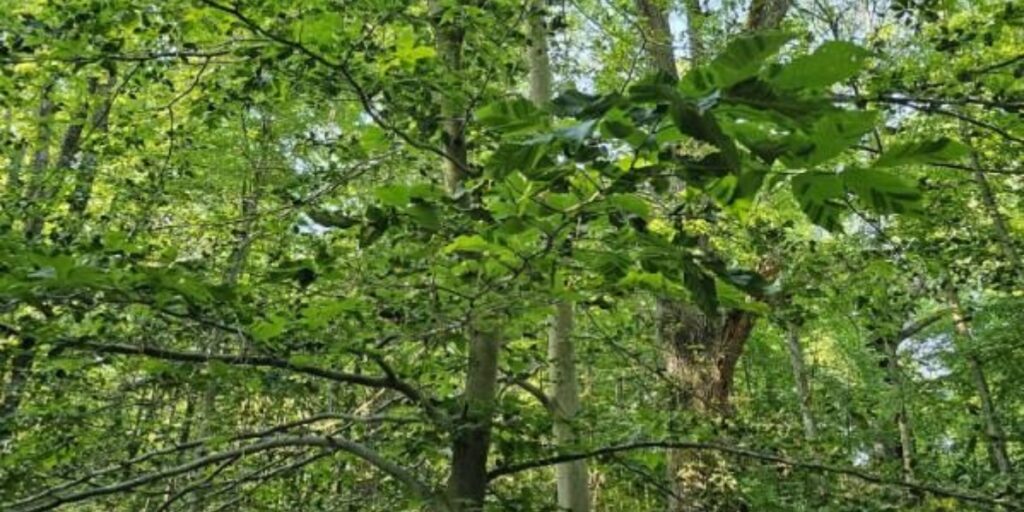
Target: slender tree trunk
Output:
[(988, 199), (471, 438), (571, 477), (13, 184), (540, 59), (21, 368), (40, 162), (993, 428), (573, 494), (803, 388), (766, 14), (905, 446), (22, 363), (903, 423)]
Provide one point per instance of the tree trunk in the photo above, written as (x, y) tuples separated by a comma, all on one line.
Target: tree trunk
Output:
[(570, 477), (988, 198), (657, 36), (40, 162), (471, 438), (14, 390), (701, 351), (13, 184), (471, 441), (766, 14), (573, 494), (993, 428), (803, 388), (21, 365)]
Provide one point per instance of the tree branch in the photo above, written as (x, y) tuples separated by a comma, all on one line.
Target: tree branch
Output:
[(330, 443), (750, 454), (364, 98), (389, 381)]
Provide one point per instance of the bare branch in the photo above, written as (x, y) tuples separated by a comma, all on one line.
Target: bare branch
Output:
[(750, 454), (390, 381), (326, 442)]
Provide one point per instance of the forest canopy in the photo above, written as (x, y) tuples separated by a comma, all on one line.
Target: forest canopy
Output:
[(516, 255)]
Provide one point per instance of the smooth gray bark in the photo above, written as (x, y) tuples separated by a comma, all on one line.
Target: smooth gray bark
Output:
[(573, 493), (803, 388), (994, 433)]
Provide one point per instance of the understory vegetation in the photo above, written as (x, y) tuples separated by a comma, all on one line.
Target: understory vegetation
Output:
[(515, 255)]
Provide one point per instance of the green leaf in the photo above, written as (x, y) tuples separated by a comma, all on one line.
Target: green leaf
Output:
[(393, 195), (577, 133), (832, 62), (703, 127), (829, 136), (883, 191), (631, 203), (406, 49), (268, 329), (942, 149), (425, 215), (468, 243), (373, 138), (517, 115), (817, 194), (740, 60)]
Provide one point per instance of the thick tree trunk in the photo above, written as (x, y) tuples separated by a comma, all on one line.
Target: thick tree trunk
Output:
[(467, 484), (701, 351), (994, 433), (471, 438), (657, 36), (803, 388)]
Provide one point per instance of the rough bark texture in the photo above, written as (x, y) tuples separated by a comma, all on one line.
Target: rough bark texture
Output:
[(994, 433), (764, 14), (657, 36), (701, 350)]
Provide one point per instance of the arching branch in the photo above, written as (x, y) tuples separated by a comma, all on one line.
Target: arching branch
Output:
[(947, 492), (326, 442), (389, 381)]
